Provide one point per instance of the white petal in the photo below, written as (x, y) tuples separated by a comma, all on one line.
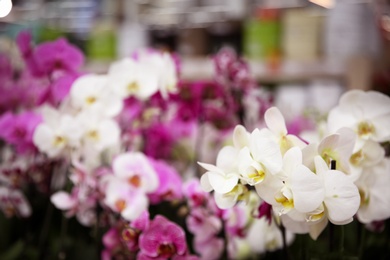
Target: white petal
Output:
[(308, 153), (317, 228), (307, 188), (266, 152), (205, 183), (240, 137), (297, 227), (139, 203), (210, 167), (275, 121), (62, 200), (227, 159), (291, 159), (222, 183), (320, 166), (223, 201), (342, 197), (269, 187)]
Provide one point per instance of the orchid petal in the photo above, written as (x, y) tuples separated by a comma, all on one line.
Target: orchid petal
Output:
[(275, 121), (342, 197)]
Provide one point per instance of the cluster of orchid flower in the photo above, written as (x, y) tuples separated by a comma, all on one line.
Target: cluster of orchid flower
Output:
[(119, 152), (339, 174)]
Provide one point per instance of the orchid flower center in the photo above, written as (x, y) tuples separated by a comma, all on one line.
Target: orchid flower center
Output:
[(166, 250), (59, 141), (364, 199), (90, 100), (120, 205), (129, 234), (365, 129), (135, 181), (357, 158), (329, 155), (285, 198), (256, 175), (133, 87), (93, 134), (317, 214), (240, 191)]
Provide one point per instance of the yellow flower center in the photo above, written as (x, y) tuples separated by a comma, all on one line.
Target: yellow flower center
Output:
[(286, 202), (132, 87), (257, 176), (94, 135), (365, 129), (90, 100), (59, 141), (364, 199), (357, 158)]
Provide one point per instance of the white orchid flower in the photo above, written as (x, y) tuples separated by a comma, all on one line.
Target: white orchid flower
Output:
[(336, 147), (265, 151), (374, 191), (163, 67), (277, 125), (91, 92), (57, 133), (222, 177), (340, 204), (99, 132), (264, 237), (368, 156), (342, 197), (136, 170), (366, 113), (125, 199), (128, 77), (295, 187)]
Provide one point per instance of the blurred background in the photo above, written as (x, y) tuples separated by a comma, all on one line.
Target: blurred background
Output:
[(296, 47)]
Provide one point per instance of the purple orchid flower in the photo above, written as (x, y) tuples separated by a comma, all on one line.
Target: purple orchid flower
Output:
[(169, 183), (18, 130), (164, 239)]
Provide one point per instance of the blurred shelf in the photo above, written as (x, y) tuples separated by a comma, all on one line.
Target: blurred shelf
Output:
[(202, 69)]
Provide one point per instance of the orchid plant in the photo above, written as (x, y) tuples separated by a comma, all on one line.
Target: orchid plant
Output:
[(137, 163)]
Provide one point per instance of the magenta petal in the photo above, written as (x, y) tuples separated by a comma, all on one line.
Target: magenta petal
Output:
[(162, 232)]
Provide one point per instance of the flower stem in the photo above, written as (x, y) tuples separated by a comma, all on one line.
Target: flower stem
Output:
[(341, 245), (285, 249)]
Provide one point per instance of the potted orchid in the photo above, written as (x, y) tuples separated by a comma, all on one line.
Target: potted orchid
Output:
[(137, 163)]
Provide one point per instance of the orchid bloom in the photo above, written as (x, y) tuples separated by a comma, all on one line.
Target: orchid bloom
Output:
[(136, 171), (366, 113), (13, 202), (277, 125), (223, 178), (260, 158), (99, 133), (336, 147), (128, 77), (374, 193), (56, 133), (295, 187), (162, 240), (264, 236), (164, 67), (341, 200), (91, 92), (125, 199)]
